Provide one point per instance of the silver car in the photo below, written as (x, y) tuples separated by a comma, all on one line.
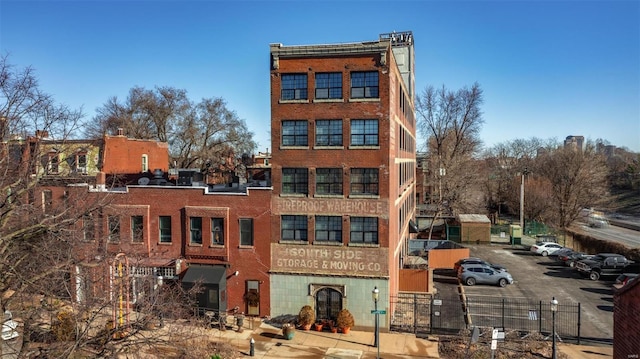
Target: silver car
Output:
[(481, 274)]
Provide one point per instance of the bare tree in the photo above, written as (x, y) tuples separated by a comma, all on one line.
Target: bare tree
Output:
[(451, 121), (206, 135), (47, 263), (506, 162), (576, 180)]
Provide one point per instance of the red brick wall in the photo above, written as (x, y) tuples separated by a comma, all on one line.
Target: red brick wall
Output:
[(123, 155), (626, 321), (151, 202)]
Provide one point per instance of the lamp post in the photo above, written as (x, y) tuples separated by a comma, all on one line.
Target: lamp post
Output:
[(554, 309), (376, 342)]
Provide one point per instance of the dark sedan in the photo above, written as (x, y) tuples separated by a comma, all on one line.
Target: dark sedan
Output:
[(571, 259)]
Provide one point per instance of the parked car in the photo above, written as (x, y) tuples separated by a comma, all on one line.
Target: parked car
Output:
[(624, 278), (474, 260), (603, 264), (545, 248), (572, 258), (560, 252), (472, 274)]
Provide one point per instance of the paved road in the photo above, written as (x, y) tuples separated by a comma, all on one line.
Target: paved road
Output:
[(628, 237)]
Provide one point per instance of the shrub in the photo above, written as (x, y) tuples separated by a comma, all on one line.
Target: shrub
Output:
[(307, 316), (345, 319), (63, 327)]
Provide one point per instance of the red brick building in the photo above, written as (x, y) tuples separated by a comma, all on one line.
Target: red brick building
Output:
[(123, 155), (343, 168), (167, 231), (626, 321)]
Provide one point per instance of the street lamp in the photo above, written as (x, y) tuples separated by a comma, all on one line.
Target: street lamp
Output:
[(554, 309), (376, 342)]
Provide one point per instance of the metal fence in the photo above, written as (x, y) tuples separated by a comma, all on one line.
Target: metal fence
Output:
[(531, 228), (421, 313)]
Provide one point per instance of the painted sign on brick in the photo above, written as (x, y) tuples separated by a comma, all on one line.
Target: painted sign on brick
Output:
[(354, 261), (325, 206)]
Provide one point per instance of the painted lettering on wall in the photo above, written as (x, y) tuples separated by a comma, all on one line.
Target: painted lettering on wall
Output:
[(345, 261), (317, 205)]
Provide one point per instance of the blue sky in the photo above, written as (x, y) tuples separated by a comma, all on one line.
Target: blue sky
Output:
[(548, 69)]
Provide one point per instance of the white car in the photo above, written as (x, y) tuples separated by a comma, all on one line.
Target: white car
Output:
[(545, 248)]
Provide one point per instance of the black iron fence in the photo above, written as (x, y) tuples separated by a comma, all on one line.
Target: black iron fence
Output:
[(422, 313)]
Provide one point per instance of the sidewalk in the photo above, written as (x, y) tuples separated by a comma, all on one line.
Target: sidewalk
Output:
[(269, 343)]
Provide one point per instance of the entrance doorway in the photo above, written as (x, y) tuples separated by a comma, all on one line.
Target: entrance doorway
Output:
[(328, 304)]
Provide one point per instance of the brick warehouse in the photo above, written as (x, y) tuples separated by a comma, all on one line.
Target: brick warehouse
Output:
[(343, 133)]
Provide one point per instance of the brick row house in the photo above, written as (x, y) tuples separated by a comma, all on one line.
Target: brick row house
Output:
[(343, 167)]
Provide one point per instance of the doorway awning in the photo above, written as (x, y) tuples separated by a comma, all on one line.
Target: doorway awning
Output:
[(205, 274)]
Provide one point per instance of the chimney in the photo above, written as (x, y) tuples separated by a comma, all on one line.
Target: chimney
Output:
[(120, 131), (101, 179)]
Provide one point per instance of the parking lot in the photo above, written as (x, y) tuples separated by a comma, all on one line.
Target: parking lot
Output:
[(539, 279)]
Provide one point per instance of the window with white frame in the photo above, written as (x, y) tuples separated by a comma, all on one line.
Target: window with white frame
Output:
[(217, 231), (295, 133), (364, 84), (294, 228), (145, 163), (195, 229), (364, 230), (47, 200), (137, 229), (53, 165), (364, 132), (329, 133), (329, 85), (164, 223), (294, 87)]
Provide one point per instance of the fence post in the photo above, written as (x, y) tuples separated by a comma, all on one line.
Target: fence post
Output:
[(415, 313), (431, 315), (503, 312), (540, 318), (579, 319)]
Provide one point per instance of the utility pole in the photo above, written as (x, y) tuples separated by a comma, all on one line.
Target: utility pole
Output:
[(524, 173)]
